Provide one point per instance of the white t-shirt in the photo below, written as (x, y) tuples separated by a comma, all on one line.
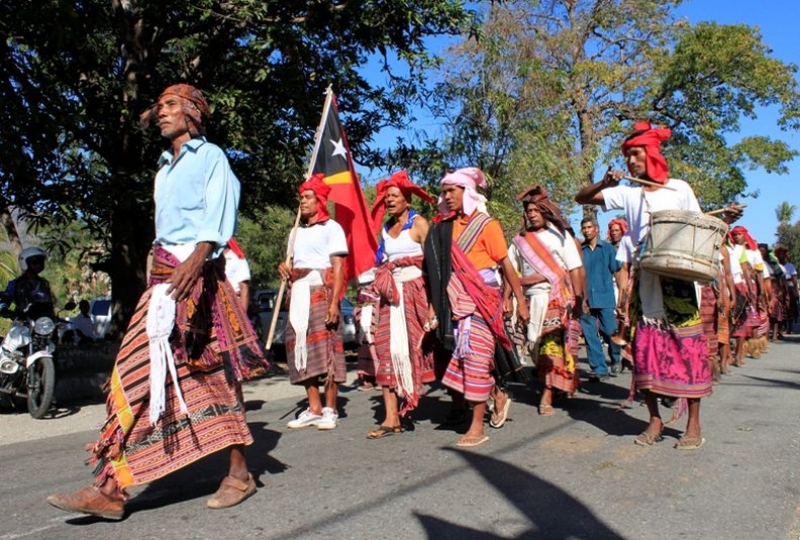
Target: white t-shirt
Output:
[(625, 250), (236, 270), (736, 264), (315, 245), (632, 201), (561, 246), (637, 205)]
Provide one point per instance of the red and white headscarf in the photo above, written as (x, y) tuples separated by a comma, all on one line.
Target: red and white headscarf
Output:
[(749, 241), (400, 181), (316, 183), (469, 178), (235, 248), (650, 139), (623, 225), (194, 105)]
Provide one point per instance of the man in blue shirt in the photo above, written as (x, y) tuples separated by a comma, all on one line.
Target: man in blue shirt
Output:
[(175, 393), (602, 267)]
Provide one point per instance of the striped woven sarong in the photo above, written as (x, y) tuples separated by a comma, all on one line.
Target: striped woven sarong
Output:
[(325, 348), (724, 320), (558, 351), (367, 355), (777, 300), (471, 374), (708, 318), (131, 450), (415, 309)]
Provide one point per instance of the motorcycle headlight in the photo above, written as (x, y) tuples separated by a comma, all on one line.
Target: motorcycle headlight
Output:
[(8, 366), (44, 326)]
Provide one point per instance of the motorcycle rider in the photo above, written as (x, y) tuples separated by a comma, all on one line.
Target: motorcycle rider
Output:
[(30, 293)]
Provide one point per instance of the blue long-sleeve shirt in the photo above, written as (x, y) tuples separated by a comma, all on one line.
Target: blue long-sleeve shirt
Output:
[(601, 264), (196, 197)]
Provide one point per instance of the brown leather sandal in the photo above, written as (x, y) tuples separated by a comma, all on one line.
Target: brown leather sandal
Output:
[(232, 491)]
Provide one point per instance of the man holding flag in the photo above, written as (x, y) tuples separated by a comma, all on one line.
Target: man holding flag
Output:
[(318, 267)]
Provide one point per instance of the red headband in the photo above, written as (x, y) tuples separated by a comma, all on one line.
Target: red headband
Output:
[(235, 248), (748, 240), (623, 225), (400, 181), (188, 92), (650, 139), (316, 183)]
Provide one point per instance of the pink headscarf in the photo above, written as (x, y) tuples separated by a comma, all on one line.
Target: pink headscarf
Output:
[(469, 178)]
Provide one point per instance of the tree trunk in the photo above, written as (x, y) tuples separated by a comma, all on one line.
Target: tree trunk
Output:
[(11, 229), (131, 238)]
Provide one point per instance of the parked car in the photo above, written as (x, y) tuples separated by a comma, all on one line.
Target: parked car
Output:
[(101, 309), (263, 304)]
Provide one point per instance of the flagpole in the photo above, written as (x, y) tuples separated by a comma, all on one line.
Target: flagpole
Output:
[(273, 324)]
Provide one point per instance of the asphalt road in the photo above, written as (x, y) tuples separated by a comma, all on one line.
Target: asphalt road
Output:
[(576, 475)]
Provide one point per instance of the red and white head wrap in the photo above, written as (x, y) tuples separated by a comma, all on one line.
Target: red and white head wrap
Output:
[(749, 241), (400, 181), (469, 178), (650, 139), (194, 105), (234, 247), (623, 225), (316, 183)]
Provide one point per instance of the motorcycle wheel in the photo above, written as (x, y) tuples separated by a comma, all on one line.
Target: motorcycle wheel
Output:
[(40, 396)]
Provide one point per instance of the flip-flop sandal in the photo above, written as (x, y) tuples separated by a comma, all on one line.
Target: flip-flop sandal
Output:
[(646, 438), (546, 410), (468, 442), (690, 443), (499, 417), (383, 431)]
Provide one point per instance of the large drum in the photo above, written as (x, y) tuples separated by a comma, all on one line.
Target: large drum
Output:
[(683, 245)]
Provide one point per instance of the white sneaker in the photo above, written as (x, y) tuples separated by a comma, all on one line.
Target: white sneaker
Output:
[(306, 419), (330, 418)]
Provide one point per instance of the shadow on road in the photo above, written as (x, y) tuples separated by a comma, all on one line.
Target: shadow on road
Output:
[(553, 514)]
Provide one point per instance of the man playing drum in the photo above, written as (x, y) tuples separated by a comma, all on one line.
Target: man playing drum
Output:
[(670, 354)]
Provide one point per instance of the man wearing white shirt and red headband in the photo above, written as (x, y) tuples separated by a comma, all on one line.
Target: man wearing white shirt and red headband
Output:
[(670, 353)]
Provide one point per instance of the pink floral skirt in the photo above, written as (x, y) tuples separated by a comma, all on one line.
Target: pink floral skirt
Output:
[(671, 361)]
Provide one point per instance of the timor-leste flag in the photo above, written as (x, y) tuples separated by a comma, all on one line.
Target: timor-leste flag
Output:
[(332, 158)]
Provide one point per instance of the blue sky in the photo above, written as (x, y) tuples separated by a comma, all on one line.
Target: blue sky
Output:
[(778, 21)]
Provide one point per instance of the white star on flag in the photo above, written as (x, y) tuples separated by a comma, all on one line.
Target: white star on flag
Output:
[(338, 149)]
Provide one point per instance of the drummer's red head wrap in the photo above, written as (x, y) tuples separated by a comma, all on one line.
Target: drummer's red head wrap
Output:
[(194, 105), (537, 195), (650, 139), (321, 191), (400, 181), (748, 240), (234, 247), (621, 223)]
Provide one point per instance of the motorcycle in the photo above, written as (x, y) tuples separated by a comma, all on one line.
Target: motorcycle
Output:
[(27, 369)]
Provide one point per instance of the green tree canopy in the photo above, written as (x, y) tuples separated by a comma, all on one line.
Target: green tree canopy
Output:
[(74, 82), (546, 92)]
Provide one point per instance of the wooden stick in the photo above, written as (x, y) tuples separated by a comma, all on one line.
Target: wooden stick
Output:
[(648, 183), (725, 209)]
